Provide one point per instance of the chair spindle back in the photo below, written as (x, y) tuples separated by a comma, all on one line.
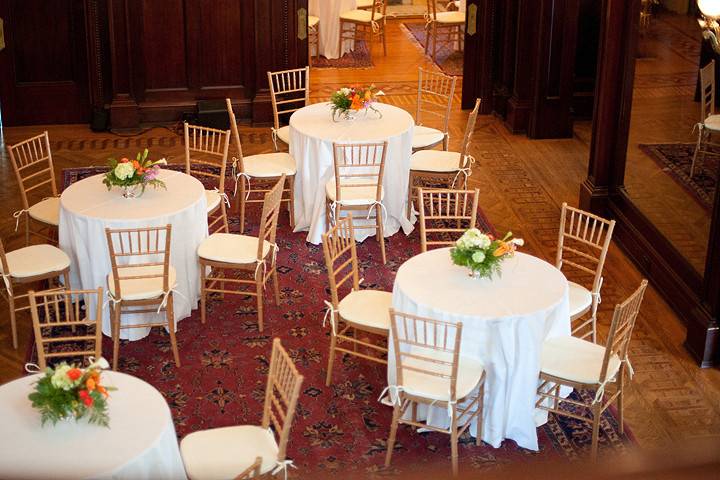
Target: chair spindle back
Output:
[(455, 211), (32, 163)]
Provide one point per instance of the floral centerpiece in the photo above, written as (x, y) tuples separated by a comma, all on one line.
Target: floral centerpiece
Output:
[(133, 174), (68, 391), (482, 253), (347, 101)]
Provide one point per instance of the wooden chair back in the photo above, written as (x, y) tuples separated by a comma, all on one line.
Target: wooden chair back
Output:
[(237, 161), (206, 149), (139, 247), (289, 91), (54, 309), (426, 346), (435, 96), (32, 163), (269, 216), (341, 258), (707, 90), (469, 130), (281, 396), (583, 243), (445, 214), (378, 11), (359, 166), (431, 11), (621, 328), (3, 259)]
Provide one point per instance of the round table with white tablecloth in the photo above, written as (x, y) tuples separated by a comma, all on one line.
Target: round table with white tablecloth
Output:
[(140, 443), (312, 134), (87, 208), (328, 11), (505, 321)]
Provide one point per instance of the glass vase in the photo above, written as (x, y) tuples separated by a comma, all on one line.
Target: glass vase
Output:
[(131, 191)]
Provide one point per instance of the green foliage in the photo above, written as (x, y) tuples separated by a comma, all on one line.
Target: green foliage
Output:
[(490, 266)]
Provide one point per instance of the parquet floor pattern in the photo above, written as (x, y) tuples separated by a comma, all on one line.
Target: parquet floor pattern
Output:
[(522, 184)]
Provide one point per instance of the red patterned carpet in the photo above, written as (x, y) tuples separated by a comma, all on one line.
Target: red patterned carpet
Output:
[(337, 429), (450, 61)]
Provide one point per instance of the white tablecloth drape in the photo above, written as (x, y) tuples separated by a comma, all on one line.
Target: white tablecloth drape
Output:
[(312, 133), (87, 208), (505, 321), (328, 11), (140, 443)]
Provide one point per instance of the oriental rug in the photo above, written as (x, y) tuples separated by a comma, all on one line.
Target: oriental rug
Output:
[(450, 61), (359, 57)]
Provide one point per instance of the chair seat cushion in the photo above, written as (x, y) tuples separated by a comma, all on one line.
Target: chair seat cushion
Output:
[(36, 260), (360, 16), (46, 211), (141, 288), (224, 453), (580, 299), (213, 199), (435, 161), (364, 3), (451, 17), (313, 21), (232, 248), (426, 136), (267, 165), (353, 195), (712, 122), (577, 360), (367, 308), (423, 385), (283, 133)]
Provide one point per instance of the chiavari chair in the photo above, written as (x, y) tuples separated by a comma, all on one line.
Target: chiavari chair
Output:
[(363, 24), (446, 28), (359, 310), (357, 186), (250, 450), (583, 242), (445, 215), (56, 309), (289, 92), (582, 365), (430, 370), (32, 163), (709, 121), (141, 281), (26, 265), (434, 167), (246, 256), (206, 154), (264, 168), (435, 95)]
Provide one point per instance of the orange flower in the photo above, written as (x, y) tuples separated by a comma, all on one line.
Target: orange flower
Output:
[(124, 160), (502, 250), (90, 384), (136, 164), (357, 103), (102, 390), (74, 373)]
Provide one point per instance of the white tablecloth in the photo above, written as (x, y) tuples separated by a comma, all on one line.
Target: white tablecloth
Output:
[(140, 443), (87, 208), (312, 133), (328, 11), (505, 322)]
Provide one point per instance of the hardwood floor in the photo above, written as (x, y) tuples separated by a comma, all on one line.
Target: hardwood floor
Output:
[(522, 183)]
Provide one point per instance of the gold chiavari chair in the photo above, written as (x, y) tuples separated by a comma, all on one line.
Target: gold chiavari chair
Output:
[(56, 309), (359, 310), (27, 265), (709, 121), (225, 452), (357, 186), (289, 92), (363, 24), (32, 163), (455, 211), (142, 280), (243, 254), (430, 371), (583, 242), (313, 37), (263, 168), (435, 96), (364, 4), (442, 167), (447, 28), (206, 149), (582, 365)]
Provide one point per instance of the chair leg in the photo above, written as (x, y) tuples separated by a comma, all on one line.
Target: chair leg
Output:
[(203, 293), (115, 329), (259, 288), (454, 441), (428, 37), (435, 40), (242, 205), (410, 195), (381, 233), (596, 432), (481, 406), (384, 40), (170, 315), (393, 434), (13, 321), (276, 285), (291, 203), (340, 40), (621, 399), (27, 229), (331, 358)]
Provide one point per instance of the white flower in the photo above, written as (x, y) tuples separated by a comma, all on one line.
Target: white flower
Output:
[(124, 170), (100, 363), (478, 257), (518, 241), (345, 91), (379, 93)]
